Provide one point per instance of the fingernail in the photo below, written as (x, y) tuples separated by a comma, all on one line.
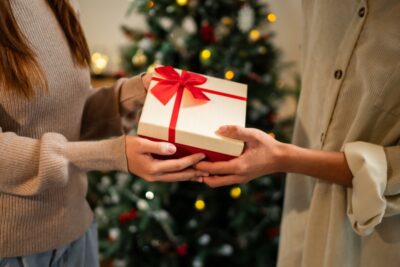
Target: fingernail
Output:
[(169, 148), (203, 156), (198, 179), (222, 129)]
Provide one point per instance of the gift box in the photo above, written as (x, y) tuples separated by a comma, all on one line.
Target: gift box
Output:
[(186, 109)]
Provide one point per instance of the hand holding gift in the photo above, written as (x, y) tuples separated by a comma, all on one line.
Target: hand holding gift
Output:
[(141, 162), (261, 156), (185, 108)]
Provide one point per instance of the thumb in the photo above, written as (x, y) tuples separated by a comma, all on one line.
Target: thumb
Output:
[(237, 132), (159, 148)]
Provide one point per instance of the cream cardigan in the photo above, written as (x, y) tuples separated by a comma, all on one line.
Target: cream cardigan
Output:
[(350, 101)]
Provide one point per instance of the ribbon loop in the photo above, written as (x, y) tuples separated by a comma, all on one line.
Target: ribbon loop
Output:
[(166, 89)]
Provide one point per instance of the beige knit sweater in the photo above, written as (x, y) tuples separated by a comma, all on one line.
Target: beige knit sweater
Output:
[(43, 160)]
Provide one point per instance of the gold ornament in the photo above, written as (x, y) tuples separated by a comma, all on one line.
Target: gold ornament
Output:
[(254, 35), (99, 62), (235, 192), (200, 204), (182, 2), (139, 59), (271, 17), (227, 21), (229, 75)]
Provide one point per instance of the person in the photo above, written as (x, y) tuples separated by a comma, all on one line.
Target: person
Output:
[(342, 195), (53, 129)]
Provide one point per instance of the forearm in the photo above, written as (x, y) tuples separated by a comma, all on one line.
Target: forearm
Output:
[(325, 165)]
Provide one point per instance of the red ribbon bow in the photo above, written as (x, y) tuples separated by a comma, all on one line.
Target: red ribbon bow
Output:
[(173, 82)]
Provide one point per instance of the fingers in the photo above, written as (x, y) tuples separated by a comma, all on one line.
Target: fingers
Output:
[(186, 175), (237, 132), (159, 148), (174, 165), (218, 181), (220, 167)]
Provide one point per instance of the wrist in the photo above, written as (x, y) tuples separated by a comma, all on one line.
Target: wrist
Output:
[(286, 157)]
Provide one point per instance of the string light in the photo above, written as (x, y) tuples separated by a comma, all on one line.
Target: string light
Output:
[(254, 35), (150, 4), (205, 54), (149, 195), (271, 17), (182, 2), (229, 75), (236, 192), (200, 204), (99, 62)]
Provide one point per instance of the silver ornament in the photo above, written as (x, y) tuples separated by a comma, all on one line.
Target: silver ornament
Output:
[(246, 18)]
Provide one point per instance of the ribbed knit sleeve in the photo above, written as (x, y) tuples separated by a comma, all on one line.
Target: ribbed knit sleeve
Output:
[(30, 166), (105, 106)]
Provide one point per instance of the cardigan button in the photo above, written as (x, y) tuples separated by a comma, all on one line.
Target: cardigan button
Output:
[(361, 12), (338, 74)]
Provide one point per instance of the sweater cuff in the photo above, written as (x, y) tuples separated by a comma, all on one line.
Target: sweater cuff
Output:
[(105, 155), (132, 93)]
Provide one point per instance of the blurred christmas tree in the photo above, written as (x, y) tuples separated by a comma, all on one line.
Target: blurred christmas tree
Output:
[(189, 224)]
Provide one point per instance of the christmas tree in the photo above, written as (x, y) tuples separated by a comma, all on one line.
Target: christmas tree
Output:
[(189, 224)]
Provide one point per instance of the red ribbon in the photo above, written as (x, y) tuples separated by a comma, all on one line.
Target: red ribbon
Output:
[(175, 84)]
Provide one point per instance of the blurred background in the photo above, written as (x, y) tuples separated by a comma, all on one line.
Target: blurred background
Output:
[(256, 42)]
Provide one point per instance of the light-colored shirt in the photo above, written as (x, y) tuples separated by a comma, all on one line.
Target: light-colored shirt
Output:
[(350, 101), (43, 158)]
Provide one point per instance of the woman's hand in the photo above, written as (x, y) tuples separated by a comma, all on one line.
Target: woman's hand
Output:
[(142, 164), (146, 79), (261, 156), (264, 155)]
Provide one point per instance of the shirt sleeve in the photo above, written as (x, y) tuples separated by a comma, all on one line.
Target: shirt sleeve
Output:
[(105, 107), (30, 166), (376, 184)]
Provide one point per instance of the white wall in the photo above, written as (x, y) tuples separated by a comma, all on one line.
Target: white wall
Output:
[(102, 19)]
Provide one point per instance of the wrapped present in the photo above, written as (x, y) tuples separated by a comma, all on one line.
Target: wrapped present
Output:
[(186, 109)]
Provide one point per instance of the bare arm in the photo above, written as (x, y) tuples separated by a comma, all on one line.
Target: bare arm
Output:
[(264, 155)]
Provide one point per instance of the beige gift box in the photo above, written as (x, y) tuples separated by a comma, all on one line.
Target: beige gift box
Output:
[(186, 109)]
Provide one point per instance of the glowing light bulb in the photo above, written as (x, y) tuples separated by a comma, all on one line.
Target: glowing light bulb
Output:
[(150, 4), (254, 35), (205, 54), (229, 75), (99, 62), (236, 192), (200, 204), (271, 17), (182, 2)]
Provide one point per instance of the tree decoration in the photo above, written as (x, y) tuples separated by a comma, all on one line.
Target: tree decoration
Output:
[(246, 18), (189, 224), (200, 204), (139, 59), (236, 192)]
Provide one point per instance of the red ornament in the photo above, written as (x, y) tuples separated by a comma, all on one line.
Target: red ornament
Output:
[(127, 216), (207, 33), (272, 232), (150, 35), (182, 249)]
